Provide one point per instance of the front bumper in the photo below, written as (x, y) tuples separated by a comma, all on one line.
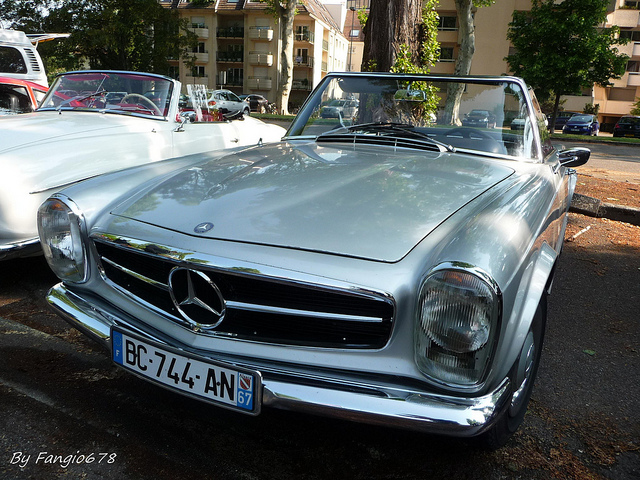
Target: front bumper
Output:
[(374, 404), (26, 248)]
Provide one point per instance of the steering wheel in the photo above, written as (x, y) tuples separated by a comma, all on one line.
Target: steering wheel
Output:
[(468, 132), (142, 100)]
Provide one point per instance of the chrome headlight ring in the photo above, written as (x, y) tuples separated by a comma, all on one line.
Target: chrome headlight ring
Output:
[(62, 231), (459, 315)]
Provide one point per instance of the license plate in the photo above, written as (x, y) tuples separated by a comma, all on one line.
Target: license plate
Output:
[(212, 381)]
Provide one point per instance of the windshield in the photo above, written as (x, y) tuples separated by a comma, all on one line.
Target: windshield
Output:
[(112, 92), (467, 114), (581, 118)]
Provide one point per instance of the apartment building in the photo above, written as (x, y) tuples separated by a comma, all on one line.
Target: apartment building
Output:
[(618, 99), (239, 46)]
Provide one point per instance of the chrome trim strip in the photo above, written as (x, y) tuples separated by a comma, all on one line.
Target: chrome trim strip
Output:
[(139, 276), (381, 405), (302, 313)]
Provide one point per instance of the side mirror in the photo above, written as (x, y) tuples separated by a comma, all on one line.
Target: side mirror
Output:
[(574, 157), (185, 117)]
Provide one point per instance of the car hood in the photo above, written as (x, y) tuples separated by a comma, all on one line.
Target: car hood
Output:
[(32, 129), (359, 202)]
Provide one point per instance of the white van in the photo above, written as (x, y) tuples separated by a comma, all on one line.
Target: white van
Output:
[(19, 57)]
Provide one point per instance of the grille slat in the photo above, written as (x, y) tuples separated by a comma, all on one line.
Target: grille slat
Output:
[(258, 308)]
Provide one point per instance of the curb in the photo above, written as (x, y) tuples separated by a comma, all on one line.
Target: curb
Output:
[(593, 207)]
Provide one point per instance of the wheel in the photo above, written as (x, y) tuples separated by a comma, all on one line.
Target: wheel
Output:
[(522, 378), (246, 112), (142, 100)]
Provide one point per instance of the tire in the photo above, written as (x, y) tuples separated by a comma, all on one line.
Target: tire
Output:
[(246, 112), (522, 377)]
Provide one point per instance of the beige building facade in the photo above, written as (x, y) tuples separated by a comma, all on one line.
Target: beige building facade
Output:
[(239, 46), (618, 99)]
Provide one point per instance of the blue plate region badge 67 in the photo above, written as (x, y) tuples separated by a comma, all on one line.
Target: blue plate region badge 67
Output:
[(216, 382)]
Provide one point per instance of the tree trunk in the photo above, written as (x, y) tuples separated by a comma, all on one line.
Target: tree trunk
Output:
[(554, 116), (391, 23), (463, 62), (286, 14)]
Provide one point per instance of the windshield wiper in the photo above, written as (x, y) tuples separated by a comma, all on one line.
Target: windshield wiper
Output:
[(404, 128), (79, 98)]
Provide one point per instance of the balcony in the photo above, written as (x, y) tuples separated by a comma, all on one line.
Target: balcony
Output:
[(303, 62), (261, 33), (301, 85), (324, 67), (201, 57), (230, 57), (261, 58), (634, 79), (259, 83), (305, 37), (636, 50), (230, 32), (624, 18), (188, 79), (201, 31), (325, 45)]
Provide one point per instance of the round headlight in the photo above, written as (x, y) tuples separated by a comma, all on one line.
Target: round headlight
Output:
[(459, 312), (60, 227)]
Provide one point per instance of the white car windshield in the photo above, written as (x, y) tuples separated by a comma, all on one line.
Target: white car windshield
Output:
[(468, 114), (112, 92)]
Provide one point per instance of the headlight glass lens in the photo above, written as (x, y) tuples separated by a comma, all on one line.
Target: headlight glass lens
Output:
[(458, 319), (59, 228)]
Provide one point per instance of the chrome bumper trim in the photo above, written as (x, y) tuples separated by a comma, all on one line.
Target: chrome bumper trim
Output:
[(387, 406), (25, 248)]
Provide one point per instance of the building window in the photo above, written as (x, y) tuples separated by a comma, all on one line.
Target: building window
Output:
[(200, 48), (632, 4), (198, 71), (633, 66), (448, 23), (354, 33), (174, 72), (198, 22), (446, 54)]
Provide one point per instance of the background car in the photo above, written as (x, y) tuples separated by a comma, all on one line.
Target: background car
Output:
[(228, 103), (340, 108), (563, 117), (627, 126), (19, 96), (384, 269), (93, 122), (582, 124), (479, 118), (257, 103)]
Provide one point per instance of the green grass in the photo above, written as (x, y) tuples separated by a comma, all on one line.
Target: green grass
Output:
[(268, 116)]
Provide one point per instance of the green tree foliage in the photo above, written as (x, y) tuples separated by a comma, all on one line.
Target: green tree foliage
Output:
[(563, 47), (137, 35), (636, 107)]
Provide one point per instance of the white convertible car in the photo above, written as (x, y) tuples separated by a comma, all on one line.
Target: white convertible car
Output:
[(93, 122)]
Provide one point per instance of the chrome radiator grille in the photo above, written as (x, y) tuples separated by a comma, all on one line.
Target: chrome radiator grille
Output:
[(258, 308)]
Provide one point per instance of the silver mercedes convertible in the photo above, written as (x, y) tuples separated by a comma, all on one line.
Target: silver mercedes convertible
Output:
[(385, 264)]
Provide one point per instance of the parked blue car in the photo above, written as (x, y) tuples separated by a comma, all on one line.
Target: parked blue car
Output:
[(582, 124)]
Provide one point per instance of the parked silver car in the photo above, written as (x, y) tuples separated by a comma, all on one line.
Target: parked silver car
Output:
[(384, 268)]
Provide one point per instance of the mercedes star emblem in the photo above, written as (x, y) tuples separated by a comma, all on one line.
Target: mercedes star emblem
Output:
[(197, 298)]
